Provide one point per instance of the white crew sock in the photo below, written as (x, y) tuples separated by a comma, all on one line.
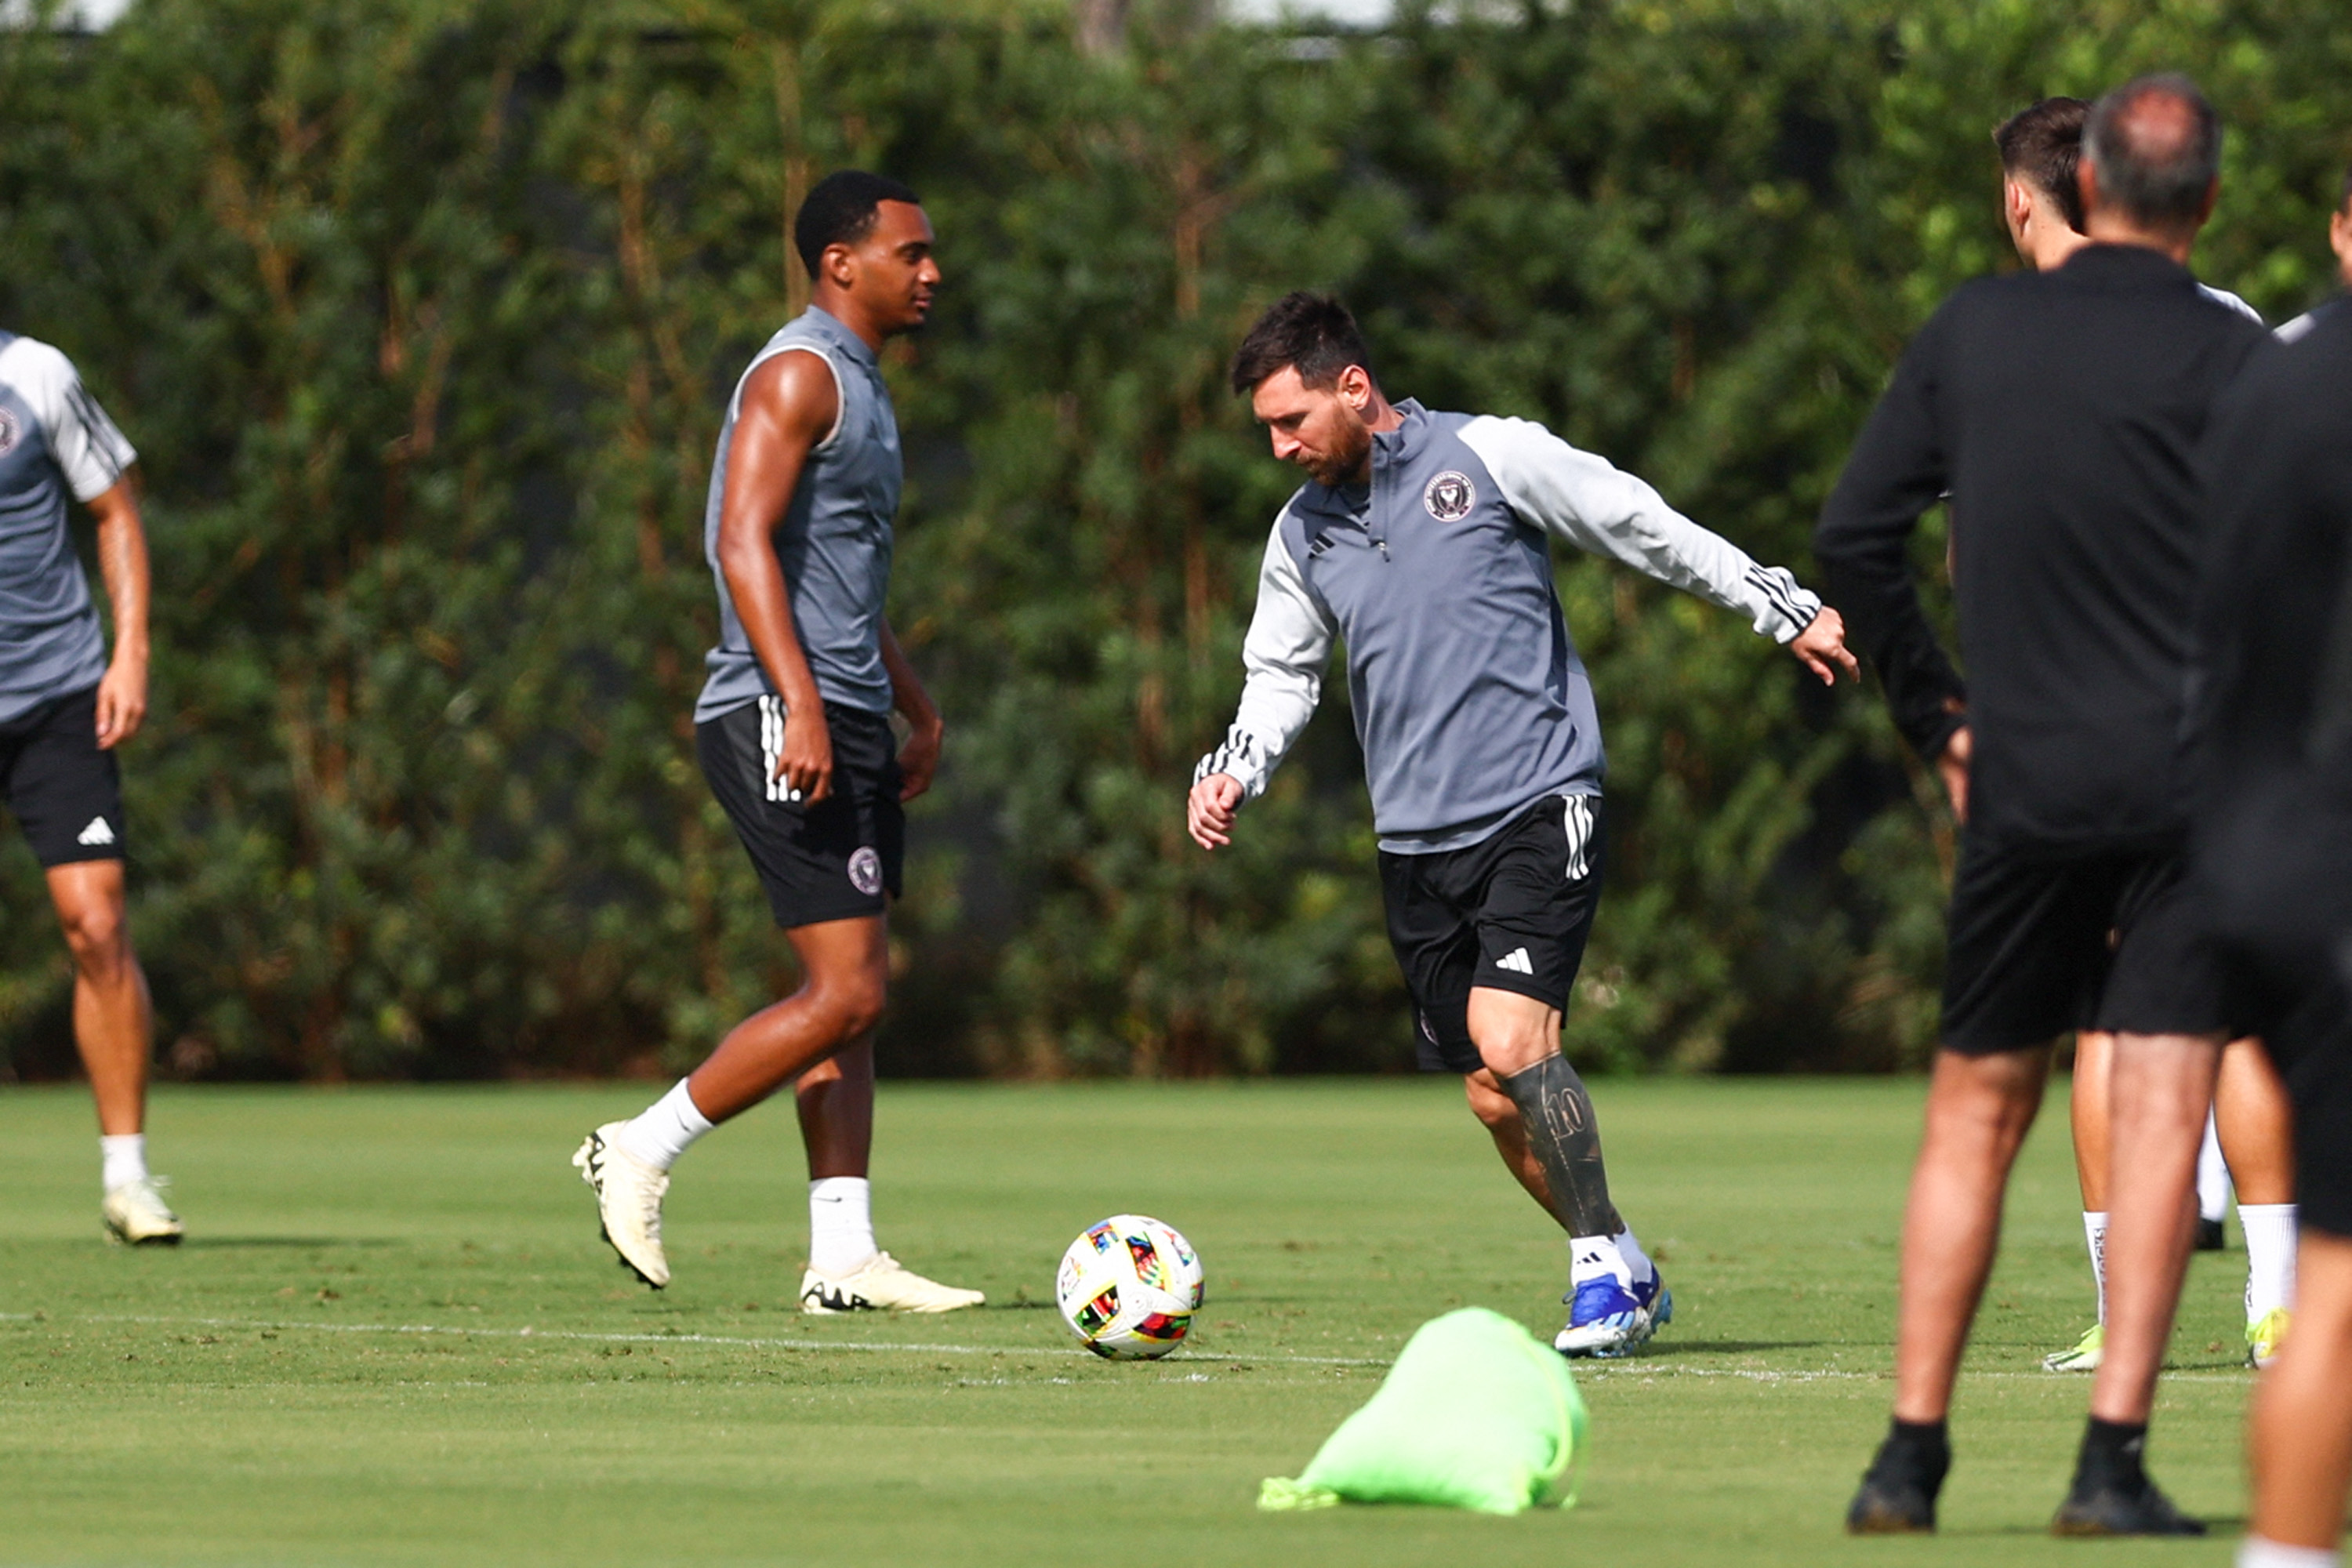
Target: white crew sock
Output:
[(668, 1128), (2212, 1174), (2094, 1234), (2270, 1258), (122, 1159), (1591, 1257), (2255, 1551), (1638, 1261), (841, 1224)]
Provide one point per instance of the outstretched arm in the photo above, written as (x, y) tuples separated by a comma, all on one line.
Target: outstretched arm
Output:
[(1896, 471), (1290, 643), (786, 407), (1596, 506)]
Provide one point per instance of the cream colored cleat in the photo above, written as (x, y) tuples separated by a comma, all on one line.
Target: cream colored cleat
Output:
[(880, 1283), (629, 1201), (136, 1214)]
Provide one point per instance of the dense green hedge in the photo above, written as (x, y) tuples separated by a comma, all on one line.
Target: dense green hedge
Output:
[(422, 312)]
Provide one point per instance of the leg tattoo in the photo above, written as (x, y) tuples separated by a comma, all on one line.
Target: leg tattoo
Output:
[(1565, 1136)]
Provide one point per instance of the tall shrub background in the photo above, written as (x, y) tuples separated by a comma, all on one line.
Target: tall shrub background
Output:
[(423, 312)]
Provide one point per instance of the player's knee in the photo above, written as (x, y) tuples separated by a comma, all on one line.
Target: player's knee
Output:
[(855, 1005), (1488, 1103), (96, 934)]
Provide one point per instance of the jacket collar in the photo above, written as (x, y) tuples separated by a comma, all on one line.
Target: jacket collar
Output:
[(2107, 263), (1393, 446)]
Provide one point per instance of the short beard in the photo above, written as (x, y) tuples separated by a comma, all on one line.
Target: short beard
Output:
[(1340, 467)]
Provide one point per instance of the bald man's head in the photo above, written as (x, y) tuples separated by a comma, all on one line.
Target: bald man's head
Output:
[(2155, 147)]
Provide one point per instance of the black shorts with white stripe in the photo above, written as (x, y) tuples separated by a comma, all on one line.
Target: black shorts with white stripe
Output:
[(831, 861), (64, 791), (1510, 913)]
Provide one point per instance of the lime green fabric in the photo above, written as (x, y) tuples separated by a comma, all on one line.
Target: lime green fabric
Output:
[(1478, 1413)]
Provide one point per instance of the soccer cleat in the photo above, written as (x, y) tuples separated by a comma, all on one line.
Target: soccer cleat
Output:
[(1606, 1320), (2084, 1357), (881, 1284), (2212, 1236), (628, 1201), (1897, 1496), (2264, 1335), (2114, 1509), (136, 1214)]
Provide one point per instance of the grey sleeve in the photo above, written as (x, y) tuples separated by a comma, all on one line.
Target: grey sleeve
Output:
[(1593, 504), (90, 451), (1289, 643)]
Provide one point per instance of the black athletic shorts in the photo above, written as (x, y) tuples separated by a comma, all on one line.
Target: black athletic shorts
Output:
[(2039, 947), (2311, 1041), (64, 791), (831, 861), (1511, 914)]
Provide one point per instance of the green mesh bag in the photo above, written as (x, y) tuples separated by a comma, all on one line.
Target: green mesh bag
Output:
[(1476, 1414)]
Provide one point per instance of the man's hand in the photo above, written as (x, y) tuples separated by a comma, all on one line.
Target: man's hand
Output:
[(121, 699), (1822, 648), (805, 761), (1209, 810), (918, 759), (1952, 767)]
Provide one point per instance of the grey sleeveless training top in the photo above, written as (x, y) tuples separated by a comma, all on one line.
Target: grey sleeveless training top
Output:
[(835, 542)]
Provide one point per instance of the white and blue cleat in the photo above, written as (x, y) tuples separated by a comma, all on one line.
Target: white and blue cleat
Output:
[(1605, 1320)]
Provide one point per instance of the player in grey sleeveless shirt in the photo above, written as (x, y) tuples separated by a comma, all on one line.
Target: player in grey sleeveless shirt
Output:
[(793, 733)]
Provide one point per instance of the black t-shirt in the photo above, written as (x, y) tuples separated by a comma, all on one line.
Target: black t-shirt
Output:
[(2060, 412)]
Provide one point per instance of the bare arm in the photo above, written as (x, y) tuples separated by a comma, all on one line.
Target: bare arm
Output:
[(787, 406), (919, 758), (122, 561)]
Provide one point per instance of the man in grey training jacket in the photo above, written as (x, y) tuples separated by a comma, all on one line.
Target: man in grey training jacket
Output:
[(793, 732), (1423, 540), (66, 704)]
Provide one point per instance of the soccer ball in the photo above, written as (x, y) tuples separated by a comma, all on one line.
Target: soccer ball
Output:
[(1128, 1288)]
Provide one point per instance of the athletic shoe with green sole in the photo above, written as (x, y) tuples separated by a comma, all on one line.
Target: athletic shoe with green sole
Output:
[(136, 1214), (2084, 1356), (2264, 1335)]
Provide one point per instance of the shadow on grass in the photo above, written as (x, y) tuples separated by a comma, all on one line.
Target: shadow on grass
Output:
[(249, 1243), (1723, 1347)]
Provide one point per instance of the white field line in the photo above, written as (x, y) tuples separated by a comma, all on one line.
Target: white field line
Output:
[(1637, 1368)]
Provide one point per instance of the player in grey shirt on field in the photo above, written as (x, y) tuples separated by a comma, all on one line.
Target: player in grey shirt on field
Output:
[(793, 732), (65, 706), (1422, 540)]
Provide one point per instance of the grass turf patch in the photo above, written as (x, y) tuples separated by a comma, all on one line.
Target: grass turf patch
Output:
[(392, 1336)]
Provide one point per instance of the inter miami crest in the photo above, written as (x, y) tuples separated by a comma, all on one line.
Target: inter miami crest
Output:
[(1449, 496), (866, 871)]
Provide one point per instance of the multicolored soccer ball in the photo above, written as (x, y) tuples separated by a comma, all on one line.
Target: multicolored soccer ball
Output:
[(1128, 1288)]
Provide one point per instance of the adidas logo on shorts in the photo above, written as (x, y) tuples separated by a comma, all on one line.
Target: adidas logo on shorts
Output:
[(1517, 961), (97, 834)]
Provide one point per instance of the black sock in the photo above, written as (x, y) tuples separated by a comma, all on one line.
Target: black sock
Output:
[(1916, 1451), (2112, 1453)]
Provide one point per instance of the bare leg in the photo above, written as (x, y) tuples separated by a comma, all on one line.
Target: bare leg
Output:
[(1979, 1111), (114, 1020), (2094, 1055), (836, 1109), (2299, 1435), (847, 966), (1501, 1116), (2257, 1124), (2162, 1090)]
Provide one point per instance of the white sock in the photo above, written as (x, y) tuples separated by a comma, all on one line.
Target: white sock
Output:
[(2270, 1256), (2095, 1234), (122, 1159), (841, 1224), (2213, 1175), (2255, 1551), (1590, 1256), (667, 1129), (1637, 1260)]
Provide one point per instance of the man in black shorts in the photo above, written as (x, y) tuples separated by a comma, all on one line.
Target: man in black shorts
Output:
[(794, 731), (65, 706), (1423, 540), (2274, 763), (2060, 412)]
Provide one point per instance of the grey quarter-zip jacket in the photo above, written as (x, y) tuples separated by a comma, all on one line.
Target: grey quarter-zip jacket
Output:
[(1470, 701)]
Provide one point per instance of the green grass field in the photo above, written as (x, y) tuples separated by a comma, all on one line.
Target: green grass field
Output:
[(392, 1336)]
